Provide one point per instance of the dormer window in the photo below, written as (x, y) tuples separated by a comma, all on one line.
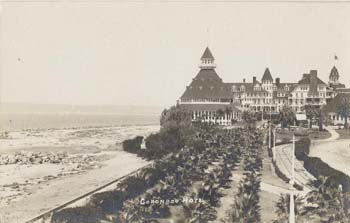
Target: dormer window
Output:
[(242, 88), (286, 88), (233, 88)]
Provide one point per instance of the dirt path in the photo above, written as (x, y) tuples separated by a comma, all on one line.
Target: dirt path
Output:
[(229, 194), (64, 189)]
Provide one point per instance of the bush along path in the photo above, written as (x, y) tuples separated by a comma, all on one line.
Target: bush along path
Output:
[(200, 178), (186, 185), (246, 206)]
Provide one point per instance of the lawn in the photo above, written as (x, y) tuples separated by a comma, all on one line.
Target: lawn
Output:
[(287, 135), (343, 133)]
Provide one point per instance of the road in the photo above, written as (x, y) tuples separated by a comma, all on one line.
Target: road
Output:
[(284, 162)]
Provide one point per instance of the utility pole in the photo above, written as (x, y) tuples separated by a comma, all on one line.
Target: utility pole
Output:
[(270, 135), (291, 204), (274, 145)]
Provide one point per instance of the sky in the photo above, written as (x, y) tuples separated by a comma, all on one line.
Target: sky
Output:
[(146, 53)]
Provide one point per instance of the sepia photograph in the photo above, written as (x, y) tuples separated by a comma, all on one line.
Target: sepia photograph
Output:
[(174, 111)]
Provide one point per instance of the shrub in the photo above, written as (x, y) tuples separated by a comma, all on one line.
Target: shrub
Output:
[(318, 168), (108, 201), (133, 145), (302, 148), (133, 186), (86, 214), (286, 179), (199, 145)]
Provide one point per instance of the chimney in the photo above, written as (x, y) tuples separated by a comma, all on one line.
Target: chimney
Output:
[(243, 80), (254, 80), (277, 80), (313, 83), (305, 75), (313, 74)]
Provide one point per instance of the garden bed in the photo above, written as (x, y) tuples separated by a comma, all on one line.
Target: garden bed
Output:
[(191, 173)]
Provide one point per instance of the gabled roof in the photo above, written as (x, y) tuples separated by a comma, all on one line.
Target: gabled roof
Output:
[(267, 75), (207, 54), (307, 80), (333, 105), (207, 84), (248, 87)]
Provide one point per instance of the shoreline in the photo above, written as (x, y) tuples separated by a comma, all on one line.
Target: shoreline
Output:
[(71, 161), (335, 153)]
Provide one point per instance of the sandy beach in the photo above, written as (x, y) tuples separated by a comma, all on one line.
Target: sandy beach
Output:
[(335, 153), (40, 169)]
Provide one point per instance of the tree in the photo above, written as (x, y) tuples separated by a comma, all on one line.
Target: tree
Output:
[(179, 121), (344, 110), (329, 203), (312, 113), (228, 111), (248, 116), (287, 116), (219, 114), (175, 116), (282, 207)]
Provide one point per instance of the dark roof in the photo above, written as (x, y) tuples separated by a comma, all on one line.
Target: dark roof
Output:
[(267, 75), (248, 87), (334, 72), (207, 84), (207, 54), (208, 107), (333, 105), (280, 87), (307, 79)]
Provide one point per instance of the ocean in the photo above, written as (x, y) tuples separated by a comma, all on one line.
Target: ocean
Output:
[(89, 127), (24, 121), (18, 116)]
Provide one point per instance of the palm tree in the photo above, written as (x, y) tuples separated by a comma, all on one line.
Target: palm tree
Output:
[(329, 203), (344, 110), (282, 206)]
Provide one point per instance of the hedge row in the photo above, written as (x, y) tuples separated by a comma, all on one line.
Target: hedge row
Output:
[(157, 144), (302, 148), (281, 175), (318, 168)]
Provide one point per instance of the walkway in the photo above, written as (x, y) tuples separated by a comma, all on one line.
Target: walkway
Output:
[(302, 176)]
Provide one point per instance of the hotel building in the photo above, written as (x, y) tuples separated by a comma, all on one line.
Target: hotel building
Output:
[(212, 100)]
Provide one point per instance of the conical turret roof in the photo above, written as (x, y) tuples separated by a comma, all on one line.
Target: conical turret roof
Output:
[(267, 75), (207, 54)]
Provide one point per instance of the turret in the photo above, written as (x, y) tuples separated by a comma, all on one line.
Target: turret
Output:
[(334, 76), (207, 60)]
